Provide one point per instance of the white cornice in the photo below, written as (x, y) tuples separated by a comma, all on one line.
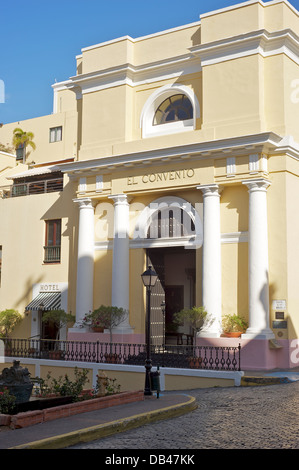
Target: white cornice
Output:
[(141, 38), (246, 4), (288, 146), (257, 42), (128, 74), (259, 143)]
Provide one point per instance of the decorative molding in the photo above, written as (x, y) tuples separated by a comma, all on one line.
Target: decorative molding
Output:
[(254, 163), (230, 166), (141, 38), (82, 185), (258, 184), (248, 3), (99, 183), (258, 42), (129, 74), (261, 143), (187, 242)]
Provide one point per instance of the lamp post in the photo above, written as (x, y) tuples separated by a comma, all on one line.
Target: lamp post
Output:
[(149, 279)]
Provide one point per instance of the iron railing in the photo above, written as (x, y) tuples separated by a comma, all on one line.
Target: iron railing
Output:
[(52, 254), (189, 357), (33, 187)]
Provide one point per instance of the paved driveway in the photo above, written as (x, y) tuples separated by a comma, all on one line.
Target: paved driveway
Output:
[(265, 417)]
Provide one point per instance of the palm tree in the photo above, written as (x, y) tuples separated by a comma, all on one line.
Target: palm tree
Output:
[(21, 140)]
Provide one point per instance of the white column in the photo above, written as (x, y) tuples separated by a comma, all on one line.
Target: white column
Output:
[(212, 298), (85, 266), (258, 261), (120, 268)]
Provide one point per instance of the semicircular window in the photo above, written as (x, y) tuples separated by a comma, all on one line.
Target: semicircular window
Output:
[(174, 108)]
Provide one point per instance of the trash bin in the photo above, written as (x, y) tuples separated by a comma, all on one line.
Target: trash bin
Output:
[(155, 382)]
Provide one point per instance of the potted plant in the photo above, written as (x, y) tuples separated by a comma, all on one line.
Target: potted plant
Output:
[(60, 318), (95, 321), (233, 325), (196, 317), (106, 317)]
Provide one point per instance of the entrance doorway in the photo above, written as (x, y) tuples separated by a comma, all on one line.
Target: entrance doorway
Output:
[(175, 286), (49, 330)]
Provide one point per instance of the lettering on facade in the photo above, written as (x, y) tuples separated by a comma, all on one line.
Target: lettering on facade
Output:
[(49, 288), (162, 177)]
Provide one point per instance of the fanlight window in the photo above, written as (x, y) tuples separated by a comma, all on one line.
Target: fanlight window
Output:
[(171, 223), (174, 108)]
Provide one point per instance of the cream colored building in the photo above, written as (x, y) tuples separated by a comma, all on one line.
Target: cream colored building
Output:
[(180, 150)]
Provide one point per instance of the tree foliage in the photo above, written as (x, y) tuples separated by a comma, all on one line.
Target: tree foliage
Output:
[(195, 317), (59, 317), (23, 139), (9, 319)]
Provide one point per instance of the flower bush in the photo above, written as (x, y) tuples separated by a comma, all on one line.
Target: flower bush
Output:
[(64, 386), (7, 401)]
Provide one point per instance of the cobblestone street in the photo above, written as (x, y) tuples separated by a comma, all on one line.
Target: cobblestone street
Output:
[(264, 417)]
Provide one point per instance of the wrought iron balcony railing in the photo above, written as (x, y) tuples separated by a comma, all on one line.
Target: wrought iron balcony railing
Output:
[(52, 254), (33, 187), (186, 357)]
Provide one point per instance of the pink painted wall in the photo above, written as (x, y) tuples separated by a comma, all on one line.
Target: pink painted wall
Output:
[(256, 354)]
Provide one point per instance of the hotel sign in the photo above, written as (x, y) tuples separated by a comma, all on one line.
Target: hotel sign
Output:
[(161, 177), (50, 288)]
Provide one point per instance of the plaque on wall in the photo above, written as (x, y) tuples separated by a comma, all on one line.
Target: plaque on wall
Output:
[(279, 304), (279, 315), (279, 324)]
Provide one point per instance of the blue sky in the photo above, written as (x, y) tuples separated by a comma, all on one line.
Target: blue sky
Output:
[(40, 39)]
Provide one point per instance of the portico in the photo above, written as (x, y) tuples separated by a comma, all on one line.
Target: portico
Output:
[(132, 233)]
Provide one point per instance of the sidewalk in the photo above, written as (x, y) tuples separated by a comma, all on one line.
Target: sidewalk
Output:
[(93, 425)]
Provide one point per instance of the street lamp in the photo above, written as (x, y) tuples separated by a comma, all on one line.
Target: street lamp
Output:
[(149, 279)]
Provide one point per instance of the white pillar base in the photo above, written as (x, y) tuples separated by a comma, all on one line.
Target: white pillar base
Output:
[(264, 334)]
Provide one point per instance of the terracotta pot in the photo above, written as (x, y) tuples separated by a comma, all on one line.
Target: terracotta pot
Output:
[(98, 329), (55, 354), (233, 334), (195, 362)]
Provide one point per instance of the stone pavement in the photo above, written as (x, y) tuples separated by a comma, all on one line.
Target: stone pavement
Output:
[(235, 418), (95, 426)]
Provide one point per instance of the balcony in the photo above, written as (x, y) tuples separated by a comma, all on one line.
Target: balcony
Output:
[(32, 187), (52, 254)]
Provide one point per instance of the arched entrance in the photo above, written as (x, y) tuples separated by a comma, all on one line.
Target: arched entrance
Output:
[(172, 229)]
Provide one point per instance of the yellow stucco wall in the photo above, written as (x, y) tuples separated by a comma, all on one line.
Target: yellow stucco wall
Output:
[(238, 96)]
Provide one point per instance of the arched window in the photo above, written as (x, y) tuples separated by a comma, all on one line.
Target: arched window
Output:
[(174, 108), (169, 110), (169, 219), (170, 223)]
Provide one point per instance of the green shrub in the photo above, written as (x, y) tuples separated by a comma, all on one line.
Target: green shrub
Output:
[(7, 401), (64, 386)]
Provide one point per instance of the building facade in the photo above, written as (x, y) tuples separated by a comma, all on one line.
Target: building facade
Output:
[(176, 150)]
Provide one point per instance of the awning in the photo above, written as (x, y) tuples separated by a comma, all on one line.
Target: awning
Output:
[(45, 301), (38, 171)]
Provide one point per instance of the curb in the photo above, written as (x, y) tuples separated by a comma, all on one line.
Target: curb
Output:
[(259, 381), (114, 427)]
